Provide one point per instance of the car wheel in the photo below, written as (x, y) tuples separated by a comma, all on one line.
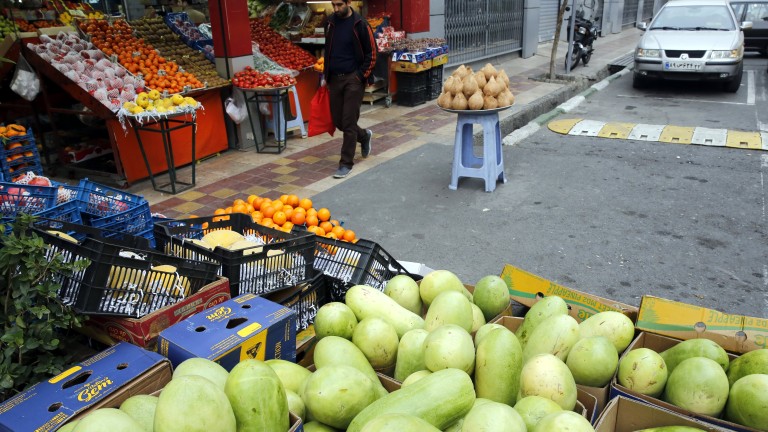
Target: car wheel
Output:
[(638, 82), (734, 84)]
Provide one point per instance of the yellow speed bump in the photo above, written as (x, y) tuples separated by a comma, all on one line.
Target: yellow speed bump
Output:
[(616, 130), (676, 135), (562, 126), (745, 140)]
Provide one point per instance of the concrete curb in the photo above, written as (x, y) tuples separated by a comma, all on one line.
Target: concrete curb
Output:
[(525, 123)]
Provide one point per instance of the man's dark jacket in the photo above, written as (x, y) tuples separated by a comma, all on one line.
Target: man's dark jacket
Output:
[(365, 46)]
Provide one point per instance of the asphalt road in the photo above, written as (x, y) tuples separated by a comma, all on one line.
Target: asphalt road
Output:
[(617, 218)]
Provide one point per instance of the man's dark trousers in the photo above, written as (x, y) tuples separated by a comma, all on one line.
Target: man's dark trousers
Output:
[(346, 96)]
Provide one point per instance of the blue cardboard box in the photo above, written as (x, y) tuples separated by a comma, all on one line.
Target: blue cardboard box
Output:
[(245, 327), (102, 380)]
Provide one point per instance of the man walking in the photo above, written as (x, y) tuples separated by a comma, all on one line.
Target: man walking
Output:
[(350, 55)]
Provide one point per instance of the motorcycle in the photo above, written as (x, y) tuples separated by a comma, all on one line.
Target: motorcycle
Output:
[(584, 34)]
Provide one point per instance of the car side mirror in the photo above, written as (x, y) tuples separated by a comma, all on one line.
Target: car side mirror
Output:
[(746, 25), (642, 26)]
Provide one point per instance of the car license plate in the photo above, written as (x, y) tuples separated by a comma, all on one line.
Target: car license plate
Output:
[(682, 65)]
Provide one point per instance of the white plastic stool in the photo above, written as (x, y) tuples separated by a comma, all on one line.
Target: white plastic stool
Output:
[(278, 115), (490, 166)]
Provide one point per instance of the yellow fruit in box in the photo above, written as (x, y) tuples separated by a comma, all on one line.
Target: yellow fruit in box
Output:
[(129, 105), (154, 95), (123, 278), (223, 238), (165, 279), (177, 99), (278, 259), (137, 110), (161, 109), (190, 101), (251, 247), (64, 236)]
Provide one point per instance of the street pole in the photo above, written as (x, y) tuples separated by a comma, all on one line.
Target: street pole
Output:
[(569, 53)]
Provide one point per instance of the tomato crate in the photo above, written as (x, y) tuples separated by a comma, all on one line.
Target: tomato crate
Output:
[(305, 299), (281, 261), (113, 209), (124, 277), (18, 198), (347, 264), (100, 201)]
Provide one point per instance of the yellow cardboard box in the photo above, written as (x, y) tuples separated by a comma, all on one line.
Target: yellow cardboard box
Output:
[(404, 66), (735, 333), (440, 60), (527, 288)]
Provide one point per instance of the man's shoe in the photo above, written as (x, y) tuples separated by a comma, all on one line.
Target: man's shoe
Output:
[(342, 172), (365, 146)]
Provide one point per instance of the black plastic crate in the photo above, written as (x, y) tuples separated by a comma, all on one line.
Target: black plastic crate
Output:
[(121, 278), (434, 92), (284, 260), (305, 299), (411, 81), (347, 264), (435, 76), (412, 98)]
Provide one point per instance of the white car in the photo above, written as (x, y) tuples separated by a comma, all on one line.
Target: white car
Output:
[(692, 40)]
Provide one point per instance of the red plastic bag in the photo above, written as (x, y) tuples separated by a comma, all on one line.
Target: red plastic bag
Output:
[(320, 118)]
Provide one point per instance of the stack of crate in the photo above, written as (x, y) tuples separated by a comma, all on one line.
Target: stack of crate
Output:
[(411, 88), (19, 155), (434, 82)]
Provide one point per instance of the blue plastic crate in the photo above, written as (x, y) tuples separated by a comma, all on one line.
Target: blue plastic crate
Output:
[(66, 212), (17, 161), (122, 228), (99, 201), (134, 221), (18, 198)]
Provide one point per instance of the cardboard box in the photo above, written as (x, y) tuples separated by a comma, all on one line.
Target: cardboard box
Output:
[(245, 327), (144, 331), (735, 333), (105, 379), (413, 57), (660, 343), (527, 288), (627, 415), (594, 399), (53, 31), (153, 385), (440, 60), (403, 66)]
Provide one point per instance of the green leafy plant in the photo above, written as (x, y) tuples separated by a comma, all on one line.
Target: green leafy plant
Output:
[(35, 323)]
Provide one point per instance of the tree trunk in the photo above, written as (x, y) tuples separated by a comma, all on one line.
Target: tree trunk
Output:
[(559, 25)]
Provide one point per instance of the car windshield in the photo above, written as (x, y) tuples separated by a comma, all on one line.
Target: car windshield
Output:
[(694, 18)]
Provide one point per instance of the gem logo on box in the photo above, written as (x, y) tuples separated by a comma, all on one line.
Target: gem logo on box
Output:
[(219, 314), (93, 389), (246, 327)]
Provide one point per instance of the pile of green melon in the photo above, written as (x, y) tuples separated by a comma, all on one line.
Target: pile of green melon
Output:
[(698, 375)]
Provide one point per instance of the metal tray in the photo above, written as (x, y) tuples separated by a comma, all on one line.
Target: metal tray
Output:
[(488, 111)]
